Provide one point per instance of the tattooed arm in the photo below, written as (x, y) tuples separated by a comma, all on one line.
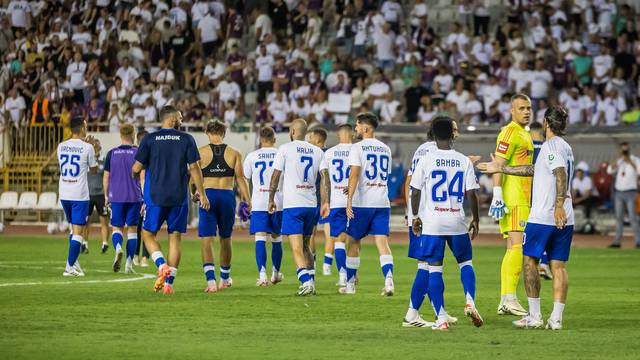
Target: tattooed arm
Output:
[(561, 194), (519, 170), (325, 193)]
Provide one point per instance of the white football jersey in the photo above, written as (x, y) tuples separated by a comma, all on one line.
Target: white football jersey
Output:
[(555, 153), (374, 159), (258, 167), (299, 162), (443, 177), (75, 158), (422, 151), (336, 161)]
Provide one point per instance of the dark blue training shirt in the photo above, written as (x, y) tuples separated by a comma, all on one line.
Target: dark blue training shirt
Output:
[(165, 155)]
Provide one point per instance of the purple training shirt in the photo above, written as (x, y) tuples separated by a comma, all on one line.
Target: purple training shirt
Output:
[(122, 187)]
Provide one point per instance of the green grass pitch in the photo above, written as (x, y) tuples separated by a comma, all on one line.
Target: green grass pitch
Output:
[(127, 320)]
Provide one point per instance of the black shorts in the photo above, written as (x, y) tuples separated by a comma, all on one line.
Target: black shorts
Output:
[(97, 202)]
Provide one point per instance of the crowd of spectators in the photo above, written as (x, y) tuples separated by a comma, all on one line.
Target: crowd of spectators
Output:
[(257, 62)]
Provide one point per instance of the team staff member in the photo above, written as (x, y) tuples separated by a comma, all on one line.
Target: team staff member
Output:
[(168, 157), (512, 199), (221, 169)]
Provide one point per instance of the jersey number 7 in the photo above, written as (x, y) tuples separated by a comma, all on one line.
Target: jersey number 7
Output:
[(309, 161)]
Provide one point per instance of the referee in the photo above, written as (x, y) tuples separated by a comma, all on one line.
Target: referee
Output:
[(168, 156)]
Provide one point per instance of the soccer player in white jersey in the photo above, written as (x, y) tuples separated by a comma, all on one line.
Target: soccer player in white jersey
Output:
[(258, 168), (299, 164), (550, 224), (336, 161), (421, 281), (76, 157), (445, 176), (368, 207)]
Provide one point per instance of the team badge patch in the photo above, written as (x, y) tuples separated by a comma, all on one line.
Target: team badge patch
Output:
[(502, 147), (551, 157)]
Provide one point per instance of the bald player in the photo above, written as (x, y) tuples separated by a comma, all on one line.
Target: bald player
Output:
[(298, 162)]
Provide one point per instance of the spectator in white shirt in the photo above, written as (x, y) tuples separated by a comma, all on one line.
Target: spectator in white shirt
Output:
[(81, 37), (314, 29), (130, 35), (459, 96), (264, 67), (627, 170), (574, 106), (418, 12), (300, 108), (165, 76), (378, 90), (444, 78), (15, 107), (278, 110), (127, 73), (504, 109), (582, 191), (385, 53), (539, 83), (391, 110), (472, 110), (589, 102), (20, 12), (491, 92), (210, 34), (150, 115), (76, 77), (262, 25), (228, 89), (230, 113), (115, 119), (519, 77), (609, 109), (457, 36), (426, 112), (392, 12), (602, 68), (482, 51)]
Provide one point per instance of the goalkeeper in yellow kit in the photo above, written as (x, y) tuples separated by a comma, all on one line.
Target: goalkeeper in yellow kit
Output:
[(512, 199)]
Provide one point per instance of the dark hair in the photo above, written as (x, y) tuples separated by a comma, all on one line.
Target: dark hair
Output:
[(166, 111), (216, 127), (520, 96), (368, 118), (442, 127), (141, 134), (535, 126), (556, 118), (267, 133), (624, 143), (321, 132), (76, 124)]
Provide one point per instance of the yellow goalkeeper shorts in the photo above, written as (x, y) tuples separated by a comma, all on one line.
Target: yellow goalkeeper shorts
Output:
[(515, 220)]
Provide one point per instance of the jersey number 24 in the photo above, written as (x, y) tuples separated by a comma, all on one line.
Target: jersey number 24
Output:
[(454, 188)]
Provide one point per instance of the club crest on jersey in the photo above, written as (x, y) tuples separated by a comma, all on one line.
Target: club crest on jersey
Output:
[(551, 157), (502, 147)]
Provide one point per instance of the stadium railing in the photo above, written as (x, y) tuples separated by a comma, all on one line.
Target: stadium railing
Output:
[(30, 152)]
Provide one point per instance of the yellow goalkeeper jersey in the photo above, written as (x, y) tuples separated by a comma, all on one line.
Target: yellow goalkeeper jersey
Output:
[(514, 144)]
